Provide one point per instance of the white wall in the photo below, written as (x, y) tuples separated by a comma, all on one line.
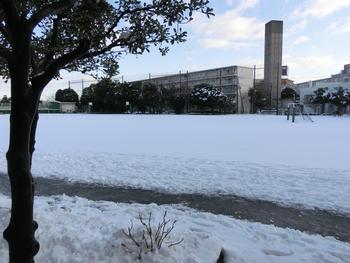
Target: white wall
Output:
[(245, 82), (68, 107)]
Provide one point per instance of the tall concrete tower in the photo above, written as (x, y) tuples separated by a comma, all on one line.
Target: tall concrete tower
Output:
[(273, 60)]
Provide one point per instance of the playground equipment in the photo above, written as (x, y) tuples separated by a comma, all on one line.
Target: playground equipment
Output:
[(297, 109)]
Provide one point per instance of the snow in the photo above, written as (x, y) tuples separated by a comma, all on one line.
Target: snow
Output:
[(246, 138), (73, 229), (264, 157)]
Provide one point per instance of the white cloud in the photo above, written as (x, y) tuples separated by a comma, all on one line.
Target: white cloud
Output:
[(223, 43), (229, 30), (340, 26), (321, 8), (299, 26), (312, 67), (230, 2), (247, 4), (310, 62), (300, 40), (243, 4)]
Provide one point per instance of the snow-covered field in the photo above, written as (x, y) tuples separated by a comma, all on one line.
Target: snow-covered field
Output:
[(243, 138), (264, 157), (74, 230)]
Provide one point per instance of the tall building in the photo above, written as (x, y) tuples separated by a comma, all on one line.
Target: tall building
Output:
[(233, 81), (273, 60)]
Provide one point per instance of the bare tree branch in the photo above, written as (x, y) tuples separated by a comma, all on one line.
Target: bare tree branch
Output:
[(118, 43), (53, 41), (50, 9), (128, 12), (42, 79), (11, 13)]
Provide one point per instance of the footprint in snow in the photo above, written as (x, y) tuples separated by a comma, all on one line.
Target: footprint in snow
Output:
[(277, 253)]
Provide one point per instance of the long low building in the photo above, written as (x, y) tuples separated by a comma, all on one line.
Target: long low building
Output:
[(233, 81), (46, 107)]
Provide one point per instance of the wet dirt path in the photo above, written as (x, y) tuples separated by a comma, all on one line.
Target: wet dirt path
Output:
[(314, 221)]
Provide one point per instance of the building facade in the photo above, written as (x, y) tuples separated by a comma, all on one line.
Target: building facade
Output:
[(68, 107), (273, 60), (306, 90), (343, 76), (46, 107), (233, 81)]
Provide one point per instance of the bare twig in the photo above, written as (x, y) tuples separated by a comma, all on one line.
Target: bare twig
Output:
[(176, 243), (130, 235), (150, 238)]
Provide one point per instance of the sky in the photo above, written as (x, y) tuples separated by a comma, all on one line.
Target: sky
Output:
[(315, 42)]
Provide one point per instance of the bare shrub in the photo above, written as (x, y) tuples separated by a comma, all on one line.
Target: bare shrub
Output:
[(147, 238)]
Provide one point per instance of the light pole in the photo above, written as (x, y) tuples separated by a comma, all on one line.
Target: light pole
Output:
[(277, 86)]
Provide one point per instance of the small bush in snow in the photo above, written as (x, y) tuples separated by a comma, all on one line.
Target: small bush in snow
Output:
[(149, 238)]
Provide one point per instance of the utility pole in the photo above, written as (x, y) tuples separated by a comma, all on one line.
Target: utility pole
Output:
[(237, 101), (187, 93), (180, 82), (254, 91), (277, 86), (271, 96), (254, 76), (255, 68)]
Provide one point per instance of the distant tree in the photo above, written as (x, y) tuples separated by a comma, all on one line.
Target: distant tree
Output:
[(151, 98), (258, 98), (174, 99), (206, 97), (133, 93), (109, 96), (5, 99), (87, 95), (225, 104), (103, 96), (67, 95), (130, 92), (288, 93), (38, 39), (321, 96), (340, 97)]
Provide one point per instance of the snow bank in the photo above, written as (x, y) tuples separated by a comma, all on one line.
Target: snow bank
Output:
[(74, 230)]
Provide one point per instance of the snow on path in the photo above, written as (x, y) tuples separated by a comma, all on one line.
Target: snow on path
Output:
[(72, 230), (296, 186)]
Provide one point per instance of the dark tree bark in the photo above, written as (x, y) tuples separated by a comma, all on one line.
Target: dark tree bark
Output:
[(20, 231)]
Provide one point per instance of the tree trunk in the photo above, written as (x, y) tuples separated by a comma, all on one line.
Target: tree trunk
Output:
[(32, 149), (20, 231), (33, 132)]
